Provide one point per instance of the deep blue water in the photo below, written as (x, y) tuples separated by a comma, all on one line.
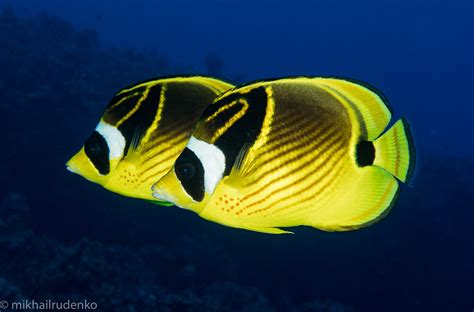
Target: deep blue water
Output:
[(64, 238)]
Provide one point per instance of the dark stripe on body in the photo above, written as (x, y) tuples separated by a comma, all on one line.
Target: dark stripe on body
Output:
[(151, 162), (148, 172), (313, 142), (338, 170), (330, 133), (143, 118), (284, 129), (243, 131), (296, 183), (116, 112), (307, 134), (163, 140), (185, 103), (327, 145)]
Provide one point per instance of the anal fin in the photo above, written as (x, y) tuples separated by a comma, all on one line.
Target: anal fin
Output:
[(365, 200), (268, 230)]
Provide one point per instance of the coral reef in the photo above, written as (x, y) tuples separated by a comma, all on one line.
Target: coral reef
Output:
[(118, 278)]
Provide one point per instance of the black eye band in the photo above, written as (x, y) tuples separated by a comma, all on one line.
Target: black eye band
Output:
[(97, 151), (185, 171), (190, 172)]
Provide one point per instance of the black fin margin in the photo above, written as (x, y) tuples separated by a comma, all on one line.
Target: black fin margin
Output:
[(411, 148)]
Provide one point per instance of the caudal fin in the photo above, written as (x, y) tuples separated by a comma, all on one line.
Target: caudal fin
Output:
[(395, 152), (375, 186)]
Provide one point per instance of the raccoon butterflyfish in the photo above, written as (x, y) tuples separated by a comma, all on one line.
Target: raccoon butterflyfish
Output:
[(143, 130), (290, 152)]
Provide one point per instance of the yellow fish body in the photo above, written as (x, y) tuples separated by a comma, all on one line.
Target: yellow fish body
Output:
[(290, 152), (142, 131)]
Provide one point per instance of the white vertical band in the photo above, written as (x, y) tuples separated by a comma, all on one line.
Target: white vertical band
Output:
[(212, 159), (114, 138)]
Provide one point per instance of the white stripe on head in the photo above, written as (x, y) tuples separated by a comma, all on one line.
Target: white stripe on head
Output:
[(114, 138), (212, 160)]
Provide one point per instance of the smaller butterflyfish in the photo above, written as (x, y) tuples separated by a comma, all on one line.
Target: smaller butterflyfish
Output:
[(143, 130), (295, 151)]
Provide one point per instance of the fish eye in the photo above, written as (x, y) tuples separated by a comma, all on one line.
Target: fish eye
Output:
[(94, 148), (185, 171), (190, 173)]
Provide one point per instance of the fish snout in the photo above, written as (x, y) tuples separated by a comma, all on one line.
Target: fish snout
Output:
[(71, 168)]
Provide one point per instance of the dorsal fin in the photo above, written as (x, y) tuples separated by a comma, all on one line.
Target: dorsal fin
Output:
[(363, 101)]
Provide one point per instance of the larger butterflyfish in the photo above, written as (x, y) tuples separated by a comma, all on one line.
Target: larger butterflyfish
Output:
[(295, 151), (143, 130)]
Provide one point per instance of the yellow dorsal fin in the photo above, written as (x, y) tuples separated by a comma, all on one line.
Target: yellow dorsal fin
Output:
[(364, 103)]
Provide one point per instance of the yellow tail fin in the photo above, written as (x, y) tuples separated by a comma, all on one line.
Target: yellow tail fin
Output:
[(375, 186), (395, 152)]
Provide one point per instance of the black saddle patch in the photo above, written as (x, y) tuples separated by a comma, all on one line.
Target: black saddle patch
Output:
[(365, 153), (246, 129), (143, 118)]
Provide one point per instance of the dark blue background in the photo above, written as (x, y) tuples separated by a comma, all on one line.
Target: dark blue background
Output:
[(419, 53)]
